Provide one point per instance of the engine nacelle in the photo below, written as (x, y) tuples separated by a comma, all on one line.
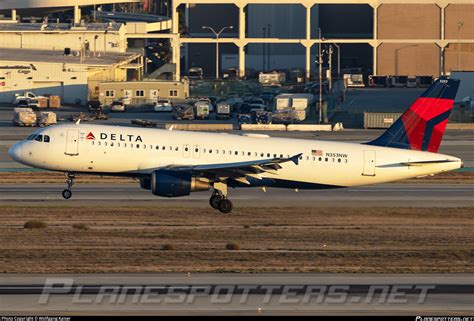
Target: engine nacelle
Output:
[(145, 183), (168, 183)]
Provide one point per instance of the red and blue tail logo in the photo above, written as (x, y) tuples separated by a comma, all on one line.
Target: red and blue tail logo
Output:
[(422, 126)]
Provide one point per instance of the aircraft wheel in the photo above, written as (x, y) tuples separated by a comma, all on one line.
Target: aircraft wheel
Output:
[(67, 194), (214, 201), (225, 206)]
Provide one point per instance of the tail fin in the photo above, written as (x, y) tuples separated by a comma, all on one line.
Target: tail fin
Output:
[(422, 126)]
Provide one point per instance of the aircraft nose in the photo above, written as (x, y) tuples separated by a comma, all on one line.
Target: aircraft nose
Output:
[(15, 152)]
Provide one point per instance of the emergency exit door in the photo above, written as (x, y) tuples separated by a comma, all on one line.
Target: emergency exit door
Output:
[(369, 163), (72, 142)]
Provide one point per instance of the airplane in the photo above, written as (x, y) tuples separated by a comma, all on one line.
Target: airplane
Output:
[(177, 163)]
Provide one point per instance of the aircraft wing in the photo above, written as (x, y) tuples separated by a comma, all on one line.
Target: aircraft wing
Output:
[(237, 171)]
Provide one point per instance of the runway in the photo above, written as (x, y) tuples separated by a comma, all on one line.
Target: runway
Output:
[(404, 194), (266, 294)]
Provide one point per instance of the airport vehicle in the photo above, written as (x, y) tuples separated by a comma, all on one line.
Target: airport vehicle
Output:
[(24, 116), (25, 96), (205, 101), (201, 111), (117, 106), (94, 105), (163, 105), (183, 112), (354, 80), (176, 163), (271, 78), (28, 103), (224, 110), (195, 73)]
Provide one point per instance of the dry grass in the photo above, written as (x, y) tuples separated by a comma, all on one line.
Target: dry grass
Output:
[(232, 247), (80, 226), (133, 239), (35, 224)]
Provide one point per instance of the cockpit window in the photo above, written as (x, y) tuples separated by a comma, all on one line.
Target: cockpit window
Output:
[(46, 139), (39, 138), (31, 137)]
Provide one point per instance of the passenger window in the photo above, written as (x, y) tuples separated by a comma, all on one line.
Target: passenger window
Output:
[(118, 144), (138, 145), (339, 160), (236, 153), (249, 154), (176, 148), (105, 143), (320, 158), (112, 144), (98, 143), (163, 148), (268, 155), (210, 151), (326, 159)]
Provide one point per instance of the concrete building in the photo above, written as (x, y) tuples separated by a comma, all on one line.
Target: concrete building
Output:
[(35, 7), (73, 78), (141, 92), (384, 37)]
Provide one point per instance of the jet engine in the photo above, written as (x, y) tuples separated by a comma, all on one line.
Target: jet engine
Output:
[(170, 183)]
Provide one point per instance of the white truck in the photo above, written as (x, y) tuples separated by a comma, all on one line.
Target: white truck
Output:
[(27, 95)]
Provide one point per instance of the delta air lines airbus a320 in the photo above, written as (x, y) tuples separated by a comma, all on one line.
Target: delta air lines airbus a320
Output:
[(176, 163)]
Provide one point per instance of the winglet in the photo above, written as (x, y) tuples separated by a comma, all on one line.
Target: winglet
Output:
[(295, 159), (78, 121), (171, 128)]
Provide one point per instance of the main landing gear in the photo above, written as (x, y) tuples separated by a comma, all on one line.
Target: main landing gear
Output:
[(67, 193), (219, 200)]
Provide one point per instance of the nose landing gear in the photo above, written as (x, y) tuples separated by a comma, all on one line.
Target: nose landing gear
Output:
[(219, 200), (67, 193)]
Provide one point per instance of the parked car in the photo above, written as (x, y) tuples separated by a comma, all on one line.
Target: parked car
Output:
[(163, 105), (117, 106)]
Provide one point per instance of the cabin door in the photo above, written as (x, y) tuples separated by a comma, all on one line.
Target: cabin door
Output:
[(72, 142), (369, 163)]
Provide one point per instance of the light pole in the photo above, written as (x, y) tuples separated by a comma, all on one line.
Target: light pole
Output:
[(338, 60), (264, 45), (320, 62), (217, 34), (460, 25)]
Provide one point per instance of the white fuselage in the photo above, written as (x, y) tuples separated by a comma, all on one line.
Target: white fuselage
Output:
[(138, 151)]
